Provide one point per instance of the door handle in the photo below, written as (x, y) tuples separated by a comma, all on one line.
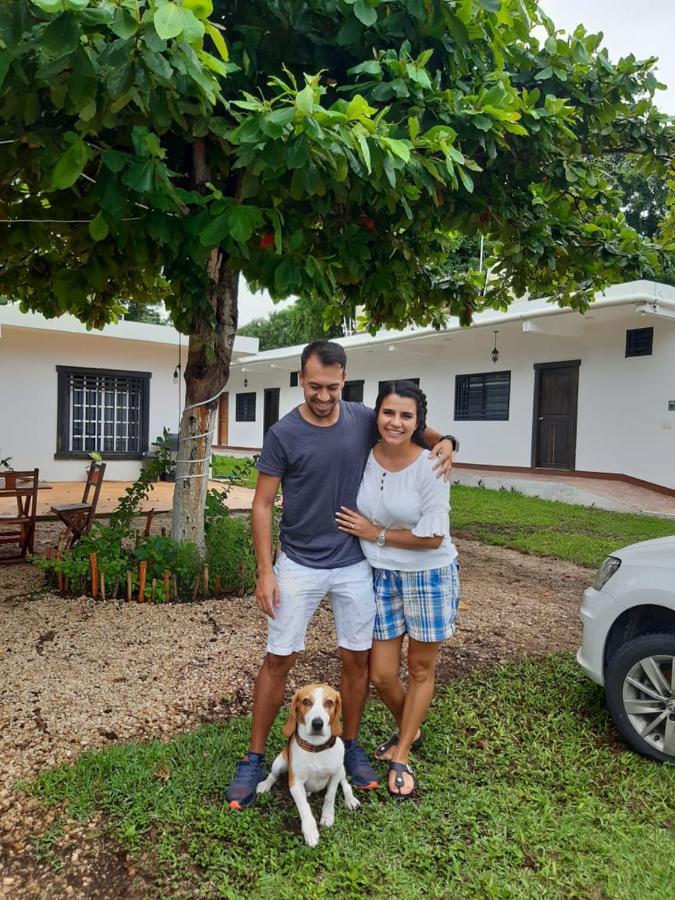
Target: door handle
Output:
[(541, 419)]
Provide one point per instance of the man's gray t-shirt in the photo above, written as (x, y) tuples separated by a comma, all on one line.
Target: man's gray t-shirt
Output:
[(320, 470)]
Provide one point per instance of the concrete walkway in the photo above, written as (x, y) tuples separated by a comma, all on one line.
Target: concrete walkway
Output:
[(619, 496)]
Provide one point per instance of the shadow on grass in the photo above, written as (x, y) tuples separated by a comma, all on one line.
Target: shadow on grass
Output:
[(523, 791)]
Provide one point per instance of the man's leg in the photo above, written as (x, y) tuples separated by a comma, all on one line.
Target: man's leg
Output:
[(353, 603), (353, 690), (268, 696)]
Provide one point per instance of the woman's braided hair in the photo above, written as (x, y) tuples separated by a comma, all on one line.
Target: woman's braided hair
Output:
[(410, 390)]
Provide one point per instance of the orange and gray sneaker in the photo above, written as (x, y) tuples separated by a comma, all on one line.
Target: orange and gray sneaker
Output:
[(362, 774), (249, 773)]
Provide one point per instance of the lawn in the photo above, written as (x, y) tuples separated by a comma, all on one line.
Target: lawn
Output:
[(237, 469), (525, 792), (580, 534)]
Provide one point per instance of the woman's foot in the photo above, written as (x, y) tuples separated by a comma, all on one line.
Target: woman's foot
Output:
[(386, 750), (401, 784)]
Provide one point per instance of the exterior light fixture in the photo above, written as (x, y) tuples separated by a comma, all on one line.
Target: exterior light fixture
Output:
[(243, 372), (494, 353)]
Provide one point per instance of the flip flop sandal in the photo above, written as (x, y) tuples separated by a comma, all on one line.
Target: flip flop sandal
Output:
[(400, 768), (392, 742)]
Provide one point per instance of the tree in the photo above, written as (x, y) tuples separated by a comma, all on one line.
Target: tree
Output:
[(323, 148), (297, 324)]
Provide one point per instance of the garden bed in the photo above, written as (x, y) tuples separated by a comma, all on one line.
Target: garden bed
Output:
[(77, 676)]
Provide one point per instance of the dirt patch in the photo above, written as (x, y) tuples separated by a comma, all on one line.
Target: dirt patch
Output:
[(78, 675)]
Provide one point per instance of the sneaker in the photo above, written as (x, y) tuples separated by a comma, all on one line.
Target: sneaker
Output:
[(362, 774), (249, 773)]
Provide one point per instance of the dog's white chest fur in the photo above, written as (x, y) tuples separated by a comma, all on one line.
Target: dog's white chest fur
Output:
[(315, 770)]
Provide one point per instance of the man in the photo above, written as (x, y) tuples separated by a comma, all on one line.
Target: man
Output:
[(317, 452)]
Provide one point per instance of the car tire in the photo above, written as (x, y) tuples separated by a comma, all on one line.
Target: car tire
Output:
[(645, 718)]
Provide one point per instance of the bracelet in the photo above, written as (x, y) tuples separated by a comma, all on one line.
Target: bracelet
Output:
[(453, 440)]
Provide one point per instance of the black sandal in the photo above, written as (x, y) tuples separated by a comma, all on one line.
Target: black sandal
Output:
[(392, 742), (400, 768)]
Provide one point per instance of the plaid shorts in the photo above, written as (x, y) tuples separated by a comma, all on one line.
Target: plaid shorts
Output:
[(422, 605)]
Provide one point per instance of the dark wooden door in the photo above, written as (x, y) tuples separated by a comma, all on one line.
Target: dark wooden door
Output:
[(271, 411), (555, 415)]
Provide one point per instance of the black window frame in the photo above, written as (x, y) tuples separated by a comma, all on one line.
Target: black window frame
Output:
[(638, 346), (63, 412), (293, 381), (353, 384), (241, 411), (487, 413)]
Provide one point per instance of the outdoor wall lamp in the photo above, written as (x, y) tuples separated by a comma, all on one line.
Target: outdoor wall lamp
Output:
[(243, 372), (494, 353)]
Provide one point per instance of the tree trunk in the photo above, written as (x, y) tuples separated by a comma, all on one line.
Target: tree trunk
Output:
[(206, 373)]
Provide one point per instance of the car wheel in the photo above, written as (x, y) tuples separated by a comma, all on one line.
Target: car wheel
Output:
[(640, 689)]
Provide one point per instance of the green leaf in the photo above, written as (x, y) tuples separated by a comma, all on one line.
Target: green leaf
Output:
[(201, 8), (62, 36), (158, 65), (98, 228), (168, 21), (484, 123), (215, 231), (467, 180), (218, 40), (140, 177), (365, 150), (364, 13), (370, 67), (358, 106), (193, 29), (4, 65), (123, 24), (69, 168), (113, 160), (304, 101), (544, 74), (242, 222), (49, 6), (398, 148), (273, 124)]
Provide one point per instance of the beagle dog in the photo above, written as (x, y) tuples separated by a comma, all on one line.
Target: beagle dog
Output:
[(313, 757)]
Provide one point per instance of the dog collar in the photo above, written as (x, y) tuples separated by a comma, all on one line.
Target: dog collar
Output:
[(314, 748)]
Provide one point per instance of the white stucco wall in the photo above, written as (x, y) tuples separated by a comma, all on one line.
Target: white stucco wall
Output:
[(623, 424), (28, 394)]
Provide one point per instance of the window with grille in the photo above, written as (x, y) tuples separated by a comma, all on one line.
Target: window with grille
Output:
[(294, 379), (102, 410), (245, 407), (639, 341), (484, 396), (353, 391)]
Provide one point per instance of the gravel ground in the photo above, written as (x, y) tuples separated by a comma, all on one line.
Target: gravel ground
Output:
[(77, 675)]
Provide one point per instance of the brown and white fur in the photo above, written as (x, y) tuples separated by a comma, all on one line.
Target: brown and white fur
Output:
[(314, 718)]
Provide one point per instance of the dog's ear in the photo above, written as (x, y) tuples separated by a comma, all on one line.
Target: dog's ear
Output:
[(336, 724), (292, 721)]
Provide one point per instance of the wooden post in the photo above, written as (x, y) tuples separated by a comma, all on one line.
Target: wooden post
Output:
[(166, 585), (195, 588), (205, 580), (218, 587), (148, 521), (129, 587), (175, 587), (93, 561), (142, 571), (103, 587), (116, 587), (59, 575), (154, 588)]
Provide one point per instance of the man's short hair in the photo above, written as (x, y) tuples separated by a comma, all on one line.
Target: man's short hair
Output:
[(327, 352)]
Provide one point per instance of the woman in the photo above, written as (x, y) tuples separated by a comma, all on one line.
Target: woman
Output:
[(403, 523)]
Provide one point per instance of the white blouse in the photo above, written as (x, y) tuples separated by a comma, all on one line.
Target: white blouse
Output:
[(413, 499)]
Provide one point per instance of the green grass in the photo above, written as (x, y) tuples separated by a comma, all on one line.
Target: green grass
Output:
[(525, 793), (549, 528), (226, 465)]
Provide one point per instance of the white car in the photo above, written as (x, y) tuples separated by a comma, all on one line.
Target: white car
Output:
[(628, 644)]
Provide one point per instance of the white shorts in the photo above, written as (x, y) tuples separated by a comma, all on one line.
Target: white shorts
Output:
[(301, 589)]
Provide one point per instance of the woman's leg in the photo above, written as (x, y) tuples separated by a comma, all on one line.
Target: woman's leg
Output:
[(385, 667), (422, 658)]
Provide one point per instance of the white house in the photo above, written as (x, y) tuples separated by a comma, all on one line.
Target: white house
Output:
[(593, 393), (65, 391)]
